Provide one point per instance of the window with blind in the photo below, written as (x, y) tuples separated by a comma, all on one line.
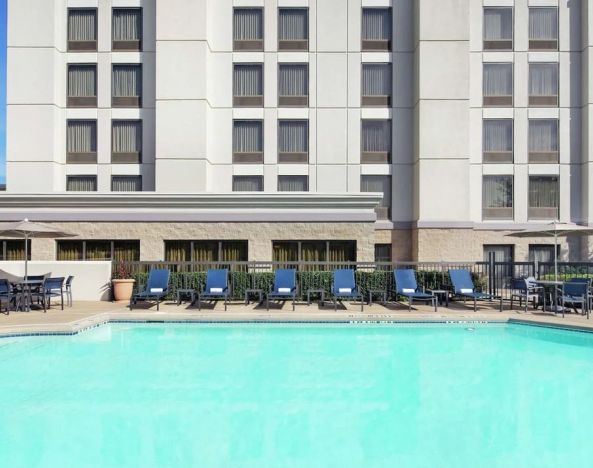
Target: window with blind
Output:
[(502, 253), (383, 253), (293, 29), (376, 84), (126, 141), (248, 85), (497, 144), (542, 253), (82, 29), (81, 183), (98, 250), (127, 29), (543, 28), (82, 85), (293, 141), (14, 250), (375, 142), (293, 183), (498, 29), (206, 251), (498, 85), (543, 141), (126, 85), (126, 183), (543, 84), (497, 197), (248, 183), (314, 251), (293, 85), (81, 142), (544, 197), (380, 184), (376, 29), (248, 29), (248, 142)]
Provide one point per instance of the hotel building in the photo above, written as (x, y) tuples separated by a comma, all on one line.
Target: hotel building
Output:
[(298, 129)]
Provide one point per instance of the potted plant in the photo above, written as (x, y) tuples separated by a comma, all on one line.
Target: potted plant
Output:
[(123, 284)]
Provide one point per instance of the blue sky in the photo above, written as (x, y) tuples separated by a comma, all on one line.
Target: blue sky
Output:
[(2, 91)]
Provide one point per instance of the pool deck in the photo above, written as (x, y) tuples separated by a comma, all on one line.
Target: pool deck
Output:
[(90, 314)]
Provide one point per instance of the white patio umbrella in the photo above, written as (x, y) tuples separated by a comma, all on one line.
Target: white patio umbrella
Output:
[(26, 229), (555, 230)]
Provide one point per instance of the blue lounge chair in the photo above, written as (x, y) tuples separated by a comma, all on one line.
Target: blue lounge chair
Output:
[(406, 285), (217, 287), (575, 293), (157, 287), (463, 286), (284, 287), (344, 287)]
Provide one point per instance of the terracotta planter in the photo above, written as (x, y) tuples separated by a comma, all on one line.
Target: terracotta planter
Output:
[(123, 289)]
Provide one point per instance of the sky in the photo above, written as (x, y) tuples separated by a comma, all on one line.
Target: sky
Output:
[(2, 91)]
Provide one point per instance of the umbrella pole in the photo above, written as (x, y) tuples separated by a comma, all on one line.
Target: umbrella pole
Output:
[(26, 255), (555, 256)]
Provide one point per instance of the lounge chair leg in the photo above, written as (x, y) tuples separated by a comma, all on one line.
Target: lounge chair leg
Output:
[(293, 303), (225, 303), (335, 304), (475, 305), (267, 303), (501, 304), (361, 303), (199, 302), (409, 304), (434, 303)]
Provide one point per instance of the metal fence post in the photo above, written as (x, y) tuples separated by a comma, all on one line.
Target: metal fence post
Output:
[(491, 273)]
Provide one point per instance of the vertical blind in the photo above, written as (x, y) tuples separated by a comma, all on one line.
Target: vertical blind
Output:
[(82, 80), (377, 183), (498, 135), (543, 23), (293, 136), (498, 24), (543, 192), (248, 24), (376, 24), (314, 251), (126, 183), (376, 79), (126, 251), (498, 79), (82, 25), (127, 24), (293, 183), (293, 24), (127, 81), (293, 80), (543, 135), (178, 251), (376, 135), (13, 250), (541, 253), (206, 251), (81, 184), (502, 253), (248, 136), (126, 136), (119, 250), (248, 183), (543, 79), (81, 136), (497, 191), (248, 80)]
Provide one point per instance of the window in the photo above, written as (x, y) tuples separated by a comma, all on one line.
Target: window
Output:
[(293, 85), (126, 183), (81, 142), (498, 29), (127, 29), (314, 251), (543, 197), (98, 250), (376, 29), (498, 85), (248, 29), (248, 142), (82, 86), (383, 253), (497, 197), (542, 253), (543, 84), (543, 28), (248, 183), (498, 141), (14, 250), (82, 30), (126, 142), (81, 183), (293, 141), (248, 85), (293, 29), (206, 251), (376, 84), (381, 184), (502, 253), (376, 142), (127, 86), (543, 141), (293, 183)]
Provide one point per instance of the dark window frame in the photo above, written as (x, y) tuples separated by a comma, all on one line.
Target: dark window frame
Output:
[(83, 243), (352, 243), (192, 243), (4, 245), (126, 46), (82, 46)]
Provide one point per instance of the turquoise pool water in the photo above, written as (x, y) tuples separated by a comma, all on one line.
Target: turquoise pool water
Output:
[(298, 396)]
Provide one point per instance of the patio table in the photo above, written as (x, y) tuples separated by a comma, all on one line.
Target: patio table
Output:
[(23, 294), (553, 287)]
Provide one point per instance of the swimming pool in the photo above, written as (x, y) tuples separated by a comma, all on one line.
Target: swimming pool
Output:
[(298, 396)]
